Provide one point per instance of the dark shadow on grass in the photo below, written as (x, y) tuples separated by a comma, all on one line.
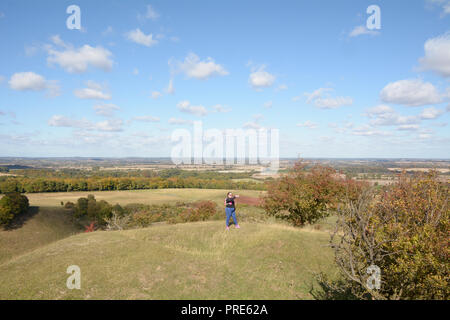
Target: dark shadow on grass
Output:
[(332, 289), (327, 293), (18, 221)]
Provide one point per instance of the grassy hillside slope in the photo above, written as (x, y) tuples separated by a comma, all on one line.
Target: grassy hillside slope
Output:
[(185, 261), (40, 226)]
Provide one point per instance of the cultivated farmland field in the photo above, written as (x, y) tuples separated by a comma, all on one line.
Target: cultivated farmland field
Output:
[(154, 196)]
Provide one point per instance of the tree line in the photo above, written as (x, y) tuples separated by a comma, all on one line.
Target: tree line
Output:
[(32, 185), (142, 173)]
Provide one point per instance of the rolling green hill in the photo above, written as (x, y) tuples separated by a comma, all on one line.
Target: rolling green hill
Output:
[(185, 261), (40, 226)]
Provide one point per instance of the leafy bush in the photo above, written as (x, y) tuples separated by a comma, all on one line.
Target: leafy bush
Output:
[(81, 207), (306, 196), (204, 210), (11, 205), (144, 219), (404, 231), (96, 211), (6, 215), (115, 217), (145, 215), (69, 205)]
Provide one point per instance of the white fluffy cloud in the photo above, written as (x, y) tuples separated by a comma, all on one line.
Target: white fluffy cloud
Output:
[(30, 81), (251, 125), (431, 113), (185, 106), (220, 108), (384, 115), (62, 121), (322, 99), (361, 30), (255, 123), (156, 94), (307, 124), (408, 127), (260, 78), (425, 136), (367, 130), (139, 37), (151, 14), (443, 4), (106, 110), (316, 94), (93, 91), (268, 104), (437, 55), (412, 92), (75, 60), (59, 42), (27, 81), (333, 103), (381, 109), (177, 121), (193, 67), (107, 125)]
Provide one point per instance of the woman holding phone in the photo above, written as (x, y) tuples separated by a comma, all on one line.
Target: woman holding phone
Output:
[(230, 209)]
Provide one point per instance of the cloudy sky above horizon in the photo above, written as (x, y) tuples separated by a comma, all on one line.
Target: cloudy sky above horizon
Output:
[(138, 70)]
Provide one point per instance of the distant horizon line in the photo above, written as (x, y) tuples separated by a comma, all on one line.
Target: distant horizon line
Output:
[(169, 158)]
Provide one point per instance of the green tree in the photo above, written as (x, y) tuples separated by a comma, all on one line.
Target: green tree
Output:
[(11, 205), (81, 208), (306, 196)]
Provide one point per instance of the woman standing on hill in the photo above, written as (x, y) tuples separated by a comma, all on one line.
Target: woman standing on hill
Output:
[(230, 209)]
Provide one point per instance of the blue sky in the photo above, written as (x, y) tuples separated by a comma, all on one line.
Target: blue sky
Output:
[(138, 70)]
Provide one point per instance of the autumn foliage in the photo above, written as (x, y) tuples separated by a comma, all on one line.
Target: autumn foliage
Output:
[(308, 195), (404, 230), (90, 227), (198, 211)]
